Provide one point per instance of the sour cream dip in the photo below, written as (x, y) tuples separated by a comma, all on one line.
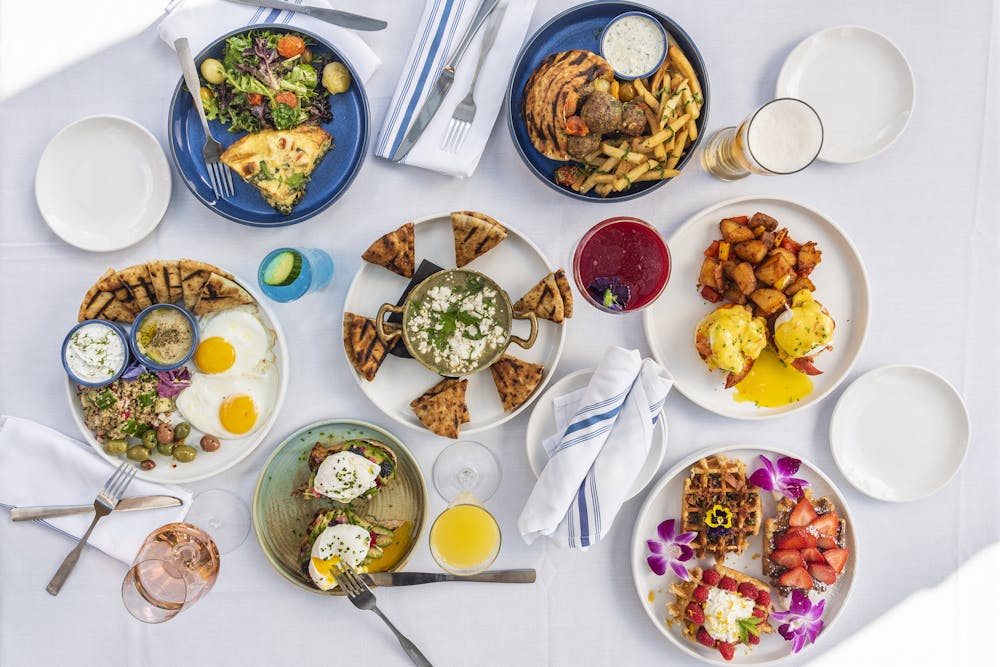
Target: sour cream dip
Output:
[(634, 44), (94, 353)]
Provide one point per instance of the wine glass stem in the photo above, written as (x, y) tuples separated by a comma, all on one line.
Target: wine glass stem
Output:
[(467, 478)]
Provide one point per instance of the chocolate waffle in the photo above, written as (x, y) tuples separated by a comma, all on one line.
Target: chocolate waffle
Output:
[(720, 507)]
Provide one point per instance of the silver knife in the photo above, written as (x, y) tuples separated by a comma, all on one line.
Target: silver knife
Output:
[(124, 505), (412, 578), (334, 16), (443, 82)]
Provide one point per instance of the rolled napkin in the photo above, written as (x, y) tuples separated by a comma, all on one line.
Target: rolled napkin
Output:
[(594, 460), (204, 21), (40, 466), (440, 30)]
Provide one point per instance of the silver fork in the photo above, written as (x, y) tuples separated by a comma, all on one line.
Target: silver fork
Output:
[(363, 598), (465, 112), (218, 174), (106, 500)]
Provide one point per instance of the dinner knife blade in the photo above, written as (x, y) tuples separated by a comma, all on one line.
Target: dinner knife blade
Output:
[(334, 16), (124, 505), (525, 576)]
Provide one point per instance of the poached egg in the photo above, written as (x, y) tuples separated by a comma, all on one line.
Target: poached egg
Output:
[(804, 329), (345, 475), (339, 543), (729, 338)]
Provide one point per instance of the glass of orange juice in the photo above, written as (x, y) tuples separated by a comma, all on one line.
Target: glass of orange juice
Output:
[(465, 538)]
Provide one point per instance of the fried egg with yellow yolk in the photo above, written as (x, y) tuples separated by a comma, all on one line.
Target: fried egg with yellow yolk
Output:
[(729, 338), (804, 329)]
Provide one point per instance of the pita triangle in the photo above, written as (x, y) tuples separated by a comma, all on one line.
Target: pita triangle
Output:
[(516, 380), (550, 299), (394, 251), (475, 234), (442, 408), (364, 348), (220, 293)]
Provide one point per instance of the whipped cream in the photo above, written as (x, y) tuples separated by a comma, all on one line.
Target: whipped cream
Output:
[(723, 611)]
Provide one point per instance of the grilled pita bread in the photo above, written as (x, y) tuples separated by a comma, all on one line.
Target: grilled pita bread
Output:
[(475, 235), (193, 275), (159, 273), (111, 282), (394, 251), (220, 293), (442, 408), (553, 93), (95, 301), (139, 283), (551, 298), (364, 348), (516, 380)]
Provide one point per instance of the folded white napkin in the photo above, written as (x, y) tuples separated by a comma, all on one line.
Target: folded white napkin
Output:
[(40, 466), (596, 456), (204, 21), (440, 30)]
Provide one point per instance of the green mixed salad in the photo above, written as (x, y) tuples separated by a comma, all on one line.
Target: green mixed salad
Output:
[(269, 80)]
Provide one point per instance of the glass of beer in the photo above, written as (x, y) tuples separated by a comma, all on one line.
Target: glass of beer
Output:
[(781, 137)]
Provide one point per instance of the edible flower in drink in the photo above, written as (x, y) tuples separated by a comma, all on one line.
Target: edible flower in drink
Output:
[(610, 292)]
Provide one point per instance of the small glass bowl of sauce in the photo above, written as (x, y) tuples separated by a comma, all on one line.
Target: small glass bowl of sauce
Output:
[(164, 337), (634, 44)]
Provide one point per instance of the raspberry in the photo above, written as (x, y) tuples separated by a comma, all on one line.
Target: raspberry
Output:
[(727, 650), (727, 584), (710, 577), (704, 638), (747, 590), (695, 613), (753, 639), (759, 613), (763, 598), (701, 594)]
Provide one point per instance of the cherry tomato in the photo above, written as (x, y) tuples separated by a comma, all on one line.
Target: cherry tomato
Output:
[(254, 98), (286, 97), (576, 126), (290, 46)]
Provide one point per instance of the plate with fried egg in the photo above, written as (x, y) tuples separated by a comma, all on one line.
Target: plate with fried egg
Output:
[(238, 377), (740, 361)]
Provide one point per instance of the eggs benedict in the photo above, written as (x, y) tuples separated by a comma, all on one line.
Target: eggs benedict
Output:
[(730, 339), (802, 331)]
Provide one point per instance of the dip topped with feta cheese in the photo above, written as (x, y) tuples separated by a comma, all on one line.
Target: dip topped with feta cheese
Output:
[(94, 353), (457, 321), (634, 44)]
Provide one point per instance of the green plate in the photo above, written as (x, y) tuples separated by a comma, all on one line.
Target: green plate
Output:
[(280, 518)]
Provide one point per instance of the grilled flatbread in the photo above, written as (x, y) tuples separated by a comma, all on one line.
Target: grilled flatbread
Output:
[(394, 251), (553, 93), (220, 293), (159, 273), (475, 235), (111, 282), (442, 408), (193, 275), (551, 298), (516, 380), (364, 348), (95, 300), (139, 283), (279, 162)]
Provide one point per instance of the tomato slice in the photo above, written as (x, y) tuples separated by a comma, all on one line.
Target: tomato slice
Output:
[(286, 97)]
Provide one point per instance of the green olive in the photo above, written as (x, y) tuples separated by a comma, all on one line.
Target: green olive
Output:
[(213, 70), (165, 448), (115, 447), (149, 438), (185, 453), (182, 431), (138, 453)]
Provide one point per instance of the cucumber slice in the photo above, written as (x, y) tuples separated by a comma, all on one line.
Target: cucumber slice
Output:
[(283, 269)]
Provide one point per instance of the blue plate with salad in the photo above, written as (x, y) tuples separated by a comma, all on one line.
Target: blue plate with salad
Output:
[(258, 85)]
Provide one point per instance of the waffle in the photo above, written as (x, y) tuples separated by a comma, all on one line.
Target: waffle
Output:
[(716, 480), (684, 594), (779, 523)]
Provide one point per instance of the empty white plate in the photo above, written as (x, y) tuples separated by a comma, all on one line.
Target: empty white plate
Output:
[(899, 433), (543, 424), (103, 183), (860, 84)]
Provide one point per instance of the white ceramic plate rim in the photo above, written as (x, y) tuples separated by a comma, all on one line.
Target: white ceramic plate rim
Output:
[(637, 551), (251, 445), (781, 87), (650, 466), (158, 162), (364, 385), (849, 395), (816, 396)]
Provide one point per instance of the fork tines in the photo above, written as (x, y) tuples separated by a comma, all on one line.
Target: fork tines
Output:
[(348, 580), (220, 179), (454, 137), (118, 482)]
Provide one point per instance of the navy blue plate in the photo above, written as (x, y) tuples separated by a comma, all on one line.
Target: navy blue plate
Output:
[(580, 28), (331, 178)]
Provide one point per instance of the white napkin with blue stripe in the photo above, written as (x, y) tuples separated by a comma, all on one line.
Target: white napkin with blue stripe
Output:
[(440, 30), (204, 21), (40, 466), (595, 459)]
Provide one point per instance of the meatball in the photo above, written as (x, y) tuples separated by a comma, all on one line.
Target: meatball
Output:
[(602, 113), (633, 120), (581, 146)]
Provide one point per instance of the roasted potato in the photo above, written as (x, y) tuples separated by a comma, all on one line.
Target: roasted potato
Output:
[(742, 274), (734, 295), (735, 232), (800, 283), (762, 219), (774, 269), (711, 274), (768, 300), (790, 257), (752, 251), (809, 257)]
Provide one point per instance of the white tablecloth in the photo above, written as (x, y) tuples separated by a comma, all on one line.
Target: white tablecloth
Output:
[(924, 216)]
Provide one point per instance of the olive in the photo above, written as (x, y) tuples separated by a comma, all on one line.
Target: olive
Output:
[(182, 431), (165, 433), (210, 443), (138, 453), (115, 447), (307, 56), (149, 439), (148, 464), (185, 453), (213, 71), (165, 448)]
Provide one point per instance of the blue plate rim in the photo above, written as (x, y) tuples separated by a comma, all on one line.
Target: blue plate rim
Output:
[(356, 168), (673, 29)]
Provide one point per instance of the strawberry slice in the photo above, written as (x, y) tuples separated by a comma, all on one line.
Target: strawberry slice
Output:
[(827, 524), (836, 558), (797, 578), (795, 538), (788, 558), (823, 572), (727, 650), (824, 542), (812, 555), (803, 514)]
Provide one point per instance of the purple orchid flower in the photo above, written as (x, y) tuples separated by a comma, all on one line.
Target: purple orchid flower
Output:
[(777, 477), (670, 550), (802, 622), (173, 382)]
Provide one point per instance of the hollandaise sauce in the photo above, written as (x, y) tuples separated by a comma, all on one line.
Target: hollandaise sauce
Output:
[(465, 539), (772, 383)]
